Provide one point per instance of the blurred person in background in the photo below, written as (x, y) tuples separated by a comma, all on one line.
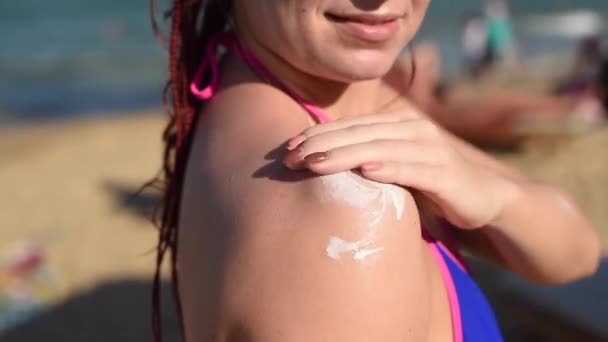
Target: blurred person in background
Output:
[(501, 44), (586, 68), (484, 115), (475, 44), (600, 90)]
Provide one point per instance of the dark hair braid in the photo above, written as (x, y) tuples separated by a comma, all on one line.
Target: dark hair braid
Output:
[(193, 22)]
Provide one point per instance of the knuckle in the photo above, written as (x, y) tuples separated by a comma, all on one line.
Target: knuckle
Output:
[(409, 114), (405, 129), (429, 127), (400, 172), (415, 113), (310, 144), (443, 157), (387, 144), (440, 156), (396, 115), (309, 132), (352, 130), (430, 178)]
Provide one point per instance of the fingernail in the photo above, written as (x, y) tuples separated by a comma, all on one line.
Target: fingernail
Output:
[(371, 167), (294, 157), (316, 158), (295, 142)]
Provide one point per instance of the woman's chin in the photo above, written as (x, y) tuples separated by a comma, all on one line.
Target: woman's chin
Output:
[(362, 67), (363, 73)]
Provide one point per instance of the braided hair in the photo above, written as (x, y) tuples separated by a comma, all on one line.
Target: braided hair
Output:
[(193, 22)]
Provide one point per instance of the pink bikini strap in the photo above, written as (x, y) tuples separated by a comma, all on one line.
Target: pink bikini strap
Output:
[(455, 255), (210, 60), (436, 247), (451, 290)]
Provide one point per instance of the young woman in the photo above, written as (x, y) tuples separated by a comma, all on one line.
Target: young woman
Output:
[(305, 196)]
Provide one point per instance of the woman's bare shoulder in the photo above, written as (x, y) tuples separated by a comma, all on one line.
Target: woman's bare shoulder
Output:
[(248, 119), (235, 160), (294, 244)]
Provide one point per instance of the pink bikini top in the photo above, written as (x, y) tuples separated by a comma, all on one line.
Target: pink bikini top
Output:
[(231, 43)]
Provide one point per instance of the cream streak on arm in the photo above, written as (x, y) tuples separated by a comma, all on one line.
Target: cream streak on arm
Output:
[(373, 199)]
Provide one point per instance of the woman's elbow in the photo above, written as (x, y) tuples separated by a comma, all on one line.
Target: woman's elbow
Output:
[(588, 261), (583, 262), (582, 250), (582, 270)]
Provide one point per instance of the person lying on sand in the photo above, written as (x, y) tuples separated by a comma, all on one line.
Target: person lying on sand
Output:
[(586, 68), (486, 116)]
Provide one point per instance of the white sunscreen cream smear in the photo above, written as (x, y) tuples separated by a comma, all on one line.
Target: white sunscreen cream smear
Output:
[(336, 247), (355, 191)]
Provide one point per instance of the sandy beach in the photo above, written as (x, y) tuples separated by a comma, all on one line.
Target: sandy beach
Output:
[(65, 187), (62, 187)]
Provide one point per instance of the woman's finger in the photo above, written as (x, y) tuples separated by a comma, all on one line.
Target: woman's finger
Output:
[(351, 157), (420, 176), (348, 122), (405, 130), (411, 130), (341, 124)]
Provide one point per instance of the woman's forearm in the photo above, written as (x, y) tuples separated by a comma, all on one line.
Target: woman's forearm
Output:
[(541, 235)]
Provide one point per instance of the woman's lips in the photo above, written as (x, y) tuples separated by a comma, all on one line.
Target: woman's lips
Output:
[(370, 28)]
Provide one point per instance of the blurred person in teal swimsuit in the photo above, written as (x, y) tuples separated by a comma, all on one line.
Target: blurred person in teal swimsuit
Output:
[(501, 41)]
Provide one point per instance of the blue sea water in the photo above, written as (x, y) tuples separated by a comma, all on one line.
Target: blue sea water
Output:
[(73, 57), (67, 57)]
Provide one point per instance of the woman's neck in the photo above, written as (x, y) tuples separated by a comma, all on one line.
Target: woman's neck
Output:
[(337, 99)]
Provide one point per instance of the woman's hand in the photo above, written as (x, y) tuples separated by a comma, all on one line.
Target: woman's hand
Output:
[(407, 150)]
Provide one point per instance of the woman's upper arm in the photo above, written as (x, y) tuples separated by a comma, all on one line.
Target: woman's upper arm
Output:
[(304, 266), (281, 256)]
